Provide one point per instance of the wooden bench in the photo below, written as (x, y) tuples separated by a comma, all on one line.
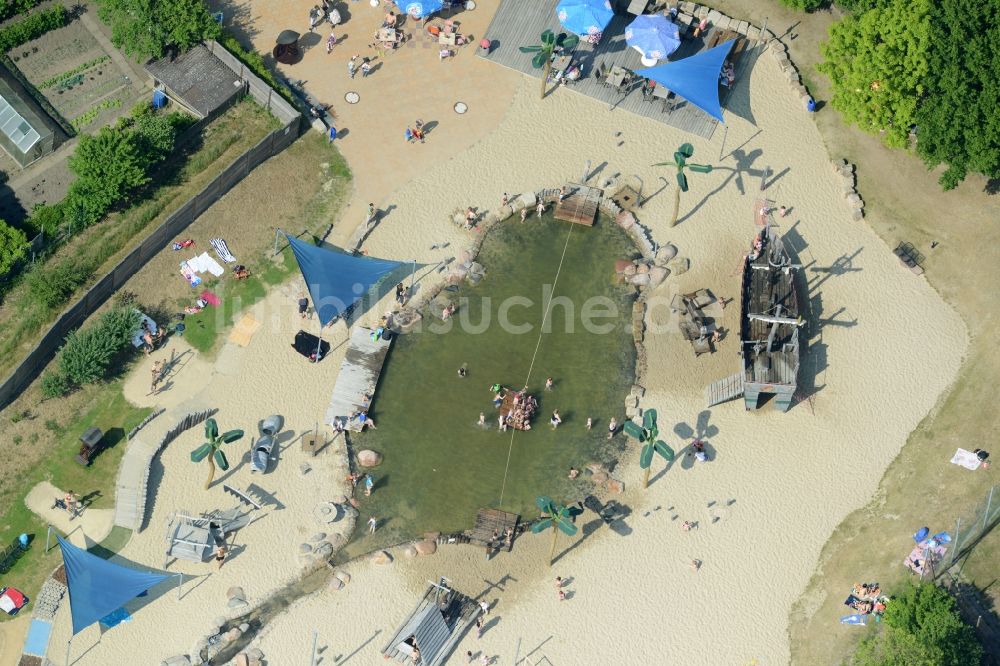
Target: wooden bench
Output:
[(910, 257)]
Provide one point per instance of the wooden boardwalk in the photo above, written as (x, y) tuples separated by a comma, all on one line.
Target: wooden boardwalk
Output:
[(579, 205), (489, 521), (724, 390), (358, 376), (520, 22)]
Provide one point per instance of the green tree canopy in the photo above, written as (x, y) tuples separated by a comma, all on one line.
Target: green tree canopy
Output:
[(145, 28), (13, 246), (921, 627), (877, 63), (109, 165), (958, 119)]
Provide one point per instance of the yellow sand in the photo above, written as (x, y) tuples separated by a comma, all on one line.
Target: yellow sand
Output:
[(779, 484)]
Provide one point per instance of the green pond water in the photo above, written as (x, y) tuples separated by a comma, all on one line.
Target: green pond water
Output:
[(439, 466)]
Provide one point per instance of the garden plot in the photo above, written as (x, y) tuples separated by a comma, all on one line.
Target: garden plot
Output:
[(76, 75)]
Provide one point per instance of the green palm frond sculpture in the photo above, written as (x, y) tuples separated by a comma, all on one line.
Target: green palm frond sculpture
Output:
[(556, 517), (212, 449), (647, 434), (680, 163), (544, 52)]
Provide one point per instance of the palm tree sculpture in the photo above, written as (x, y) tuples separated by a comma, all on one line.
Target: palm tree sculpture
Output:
[(544, 52), (681, 157), (647, 434), (212, 449), (555, 516)]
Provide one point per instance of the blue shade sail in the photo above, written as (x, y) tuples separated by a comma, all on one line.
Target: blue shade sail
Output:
[(696, 79)]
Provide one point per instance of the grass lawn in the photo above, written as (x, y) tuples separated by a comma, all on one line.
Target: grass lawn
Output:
[(203, 329), (110, 412)]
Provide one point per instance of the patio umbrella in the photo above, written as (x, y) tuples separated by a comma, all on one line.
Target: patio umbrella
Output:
[(653, 36), (287, 37), (419, 8), (696, 79), (584, 17)]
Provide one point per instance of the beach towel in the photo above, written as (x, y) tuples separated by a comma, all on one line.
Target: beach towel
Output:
[(189, 274), (853, 619), (116, 617), (222, 250), (966, 459), (210, 298), (203, 263)]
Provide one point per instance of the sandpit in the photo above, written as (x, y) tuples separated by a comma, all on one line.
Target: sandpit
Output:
[(778, 483)]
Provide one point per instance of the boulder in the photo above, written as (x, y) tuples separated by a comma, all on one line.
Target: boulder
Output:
[(410, 551), (319, 536), (599, 477), (625, 219), (344, 577), (595, 467), (323, 550), (340, 499), (614, 486), (242, 659), (305, 549), (621, 265), (642, 268), (433, 536), (336, 540), (237, 602), (426, 547), (369, 458), (640, 280), (630, 270), (666, 253), (381, 557), (179, 660), (232, 635), (304, 469), (235, 593), (658, 274), (354, 502), (679, 266), (336, 584), (256, 656)]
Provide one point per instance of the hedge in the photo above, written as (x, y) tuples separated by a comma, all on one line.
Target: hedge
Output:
[(32, 26)]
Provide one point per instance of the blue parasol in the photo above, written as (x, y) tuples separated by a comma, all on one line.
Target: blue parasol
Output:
[(653, 36), (584, 17), (419, 8)]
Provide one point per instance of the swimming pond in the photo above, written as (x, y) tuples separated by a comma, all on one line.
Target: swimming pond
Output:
[(439, 465)]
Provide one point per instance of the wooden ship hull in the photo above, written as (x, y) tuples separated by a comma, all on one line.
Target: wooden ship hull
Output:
[(769, 328)]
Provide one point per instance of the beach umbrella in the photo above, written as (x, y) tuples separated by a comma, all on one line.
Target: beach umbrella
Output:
[(419, 8), (287, 37), (653, 36), (585, 17), (647, 435)]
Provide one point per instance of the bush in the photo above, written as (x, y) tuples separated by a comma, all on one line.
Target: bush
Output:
[(47, 218), (87, 354), (13, 247), (52, 285), (55, 384), (805, 5), (145, 29), (10, 8), (921, 627), (108, 166), (32, 26)]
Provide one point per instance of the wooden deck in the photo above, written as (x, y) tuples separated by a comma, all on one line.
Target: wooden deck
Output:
[(358, 376), (723, 390), (520, 22), (490, 520), (580, 204)]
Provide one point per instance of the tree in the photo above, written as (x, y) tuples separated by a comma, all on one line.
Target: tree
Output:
[(212, 449), (13, 247), (145, 28), (647, 434), (555, 516), (544, 52), (108, 165), (683, 154), (877, 64), (957, 120), (922, 627)]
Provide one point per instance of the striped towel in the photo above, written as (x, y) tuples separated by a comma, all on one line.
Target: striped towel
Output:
[(222, 250)]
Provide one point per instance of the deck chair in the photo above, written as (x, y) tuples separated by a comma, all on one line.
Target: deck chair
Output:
[(599, 73)]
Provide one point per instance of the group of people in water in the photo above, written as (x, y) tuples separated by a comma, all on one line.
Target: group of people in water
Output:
[(518, 414)]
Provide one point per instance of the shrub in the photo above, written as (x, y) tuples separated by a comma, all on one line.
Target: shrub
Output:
[(805, 5), (55, 384), (32, 26), (54, 284), (145, 29), (10, 8), (13, 247), (47, 218), (108, 166), (86, 355)]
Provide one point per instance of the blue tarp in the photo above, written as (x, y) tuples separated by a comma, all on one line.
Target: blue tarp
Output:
[(419, 8), (696, 79), (98, 587), (337, 280)]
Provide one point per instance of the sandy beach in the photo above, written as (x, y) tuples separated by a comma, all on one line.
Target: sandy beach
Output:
[(777, 486)]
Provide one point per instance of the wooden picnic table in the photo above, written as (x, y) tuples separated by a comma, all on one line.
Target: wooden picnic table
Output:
[(616, 77), (446, 38)]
